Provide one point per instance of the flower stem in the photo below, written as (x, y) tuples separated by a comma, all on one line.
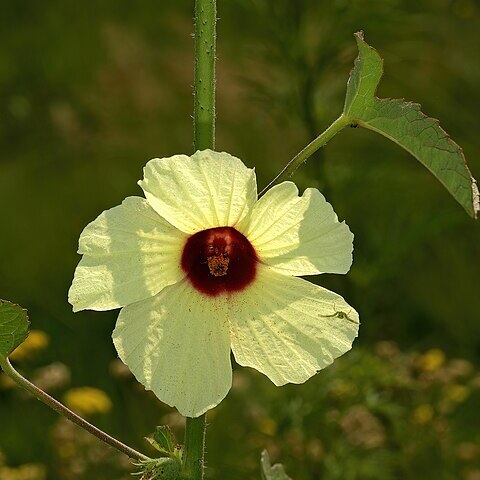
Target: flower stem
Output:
[(193, 463), (204, 137), (204, 85), (64, 411), (339, 124)]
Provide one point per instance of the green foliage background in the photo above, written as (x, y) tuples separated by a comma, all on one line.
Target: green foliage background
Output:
[(90, 91)]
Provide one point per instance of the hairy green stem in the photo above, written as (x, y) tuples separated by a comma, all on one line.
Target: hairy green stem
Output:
[(339, 124), (193, 464), (204, 85), (64, 411), (204, 137)]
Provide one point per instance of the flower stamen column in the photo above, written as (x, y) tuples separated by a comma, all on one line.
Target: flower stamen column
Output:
[(204, 137)]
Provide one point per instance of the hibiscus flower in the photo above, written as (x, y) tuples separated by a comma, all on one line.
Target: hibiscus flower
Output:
[(201, 266)]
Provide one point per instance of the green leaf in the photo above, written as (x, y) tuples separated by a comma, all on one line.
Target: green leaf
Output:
[(277, 472), (164, 441), (405, 124), (13, 327)]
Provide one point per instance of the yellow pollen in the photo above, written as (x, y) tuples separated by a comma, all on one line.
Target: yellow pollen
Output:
[(218, 265)]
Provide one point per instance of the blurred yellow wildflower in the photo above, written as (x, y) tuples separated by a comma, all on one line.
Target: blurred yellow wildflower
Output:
[(467, 451), (472, 475), (315, 450), (456, 393), (386, 349), (268, 426), (28, 471), (431, 360), (464, 9), (423, 414), (87, 401), (34, 343), (342, 389)]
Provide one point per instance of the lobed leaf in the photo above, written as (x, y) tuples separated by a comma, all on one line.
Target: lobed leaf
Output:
[(404, 123), (13, 327), (163, 441), (269, 472)]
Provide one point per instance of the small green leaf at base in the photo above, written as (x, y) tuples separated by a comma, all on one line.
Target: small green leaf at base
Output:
[(269, 472), (404, 123), (13, 327), (164, 442)]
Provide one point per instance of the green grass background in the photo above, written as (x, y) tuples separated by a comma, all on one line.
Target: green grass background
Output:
[(90, 91)]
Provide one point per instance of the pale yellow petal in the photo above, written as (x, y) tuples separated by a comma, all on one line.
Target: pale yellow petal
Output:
[(208, 189), (299, 235), (129, 253), (288, 328), (177, 344)]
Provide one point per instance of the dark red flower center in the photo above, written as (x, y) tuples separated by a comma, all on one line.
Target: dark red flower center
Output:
[(219, 260)]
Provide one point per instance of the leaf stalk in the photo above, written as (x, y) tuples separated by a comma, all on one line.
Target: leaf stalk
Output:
[(67, 413), (339, 124)]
